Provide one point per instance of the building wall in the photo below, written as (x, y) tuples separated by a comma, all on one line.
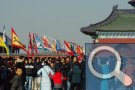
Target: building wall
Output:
[(115, 40)]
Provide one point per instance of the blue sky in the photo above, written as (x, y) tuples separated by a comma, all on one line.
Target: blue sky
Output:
[(60, 19)]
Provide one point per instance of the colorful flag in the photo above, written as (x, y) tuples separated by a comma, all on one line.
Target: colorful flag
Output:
[(73, 45), (34, 44), (79, 50), (39, 42), (4, 38), (59, 46), (30, 46), (30, 41), (68, 48), (47, 43), (2, 44), (16, 42), (4, 35), (53, 45)]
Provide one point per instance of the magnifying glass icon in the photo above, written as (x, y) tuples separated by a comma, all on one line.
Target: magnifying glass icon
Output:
[(124, 78)]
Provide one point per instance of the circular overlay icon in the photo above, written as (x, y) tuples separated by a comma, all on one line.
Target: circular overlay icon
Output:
[(125, 79)]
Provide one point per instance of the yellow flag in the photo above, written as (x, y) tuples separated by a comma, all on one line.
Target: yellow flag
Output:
[(2, 44), (16, 41)]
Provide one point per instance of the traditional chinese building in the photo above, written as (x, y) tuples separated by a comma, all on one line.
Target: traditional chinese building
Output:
[(119, 27)]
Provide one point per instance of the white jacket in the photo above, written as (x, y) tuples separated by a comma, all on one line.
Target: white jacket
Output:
[(45, 80)]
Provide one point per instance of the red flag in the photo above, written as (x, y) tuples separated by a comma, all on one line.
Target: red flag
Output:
[(34, 44), (30, 46), (47, 43), (79, 50), (68, 48)]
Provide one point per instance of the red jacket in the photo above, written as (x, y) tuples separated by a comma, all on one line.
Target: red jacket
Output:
[(58, 78)]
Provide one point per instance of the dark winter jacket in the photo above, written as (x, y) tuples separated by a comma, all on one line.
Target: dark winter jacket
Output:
[(29, 69), (65, 69), (17, 83), (58, 66), (76, 74), (37, 66)]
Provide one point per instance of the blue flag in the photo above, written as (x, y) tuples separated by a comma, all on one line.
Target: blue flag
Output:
[(39, 43)]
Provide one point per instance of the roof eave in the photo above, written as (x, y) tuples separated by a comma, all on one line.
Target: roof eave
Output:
[(90, 32), (90, 29)]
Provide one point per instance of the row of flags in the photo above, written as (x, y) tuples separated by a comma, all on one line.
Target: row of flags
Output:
[(37, 43)]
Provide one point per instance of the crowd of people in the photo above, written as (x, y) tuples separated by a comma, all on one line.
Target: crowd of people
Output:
[(47, 73)]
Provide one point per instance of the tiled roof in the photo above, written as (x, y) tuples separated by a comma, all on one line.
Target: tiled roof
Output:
[(119, 20)]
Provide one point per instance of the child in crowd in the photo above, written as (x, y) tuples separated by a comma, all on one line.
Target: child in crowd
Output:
[(58, 80), (17, 81)]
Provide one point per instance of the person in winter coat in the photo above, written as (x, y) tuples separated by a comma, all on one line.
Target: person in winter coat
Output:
[(20, 63), (58, 64), (45, 72), (68, 65), (29, 67), (76, 75), (17, 81), (65, 69), (36, 78), (58, 80)]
